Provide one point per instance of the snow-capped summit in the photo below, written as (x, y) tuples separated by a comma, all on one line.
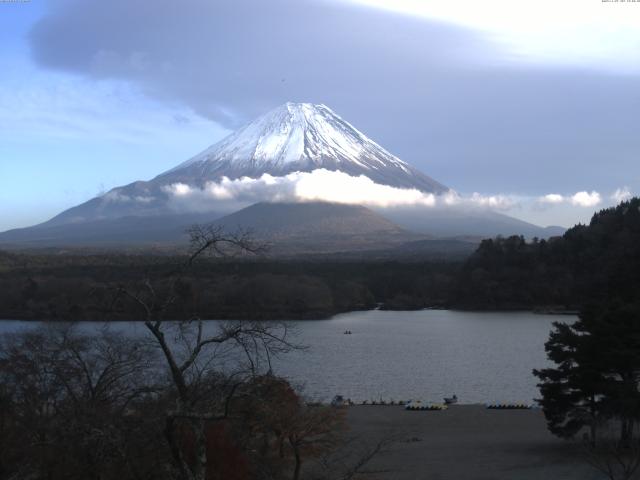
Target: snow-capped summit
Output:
[(300, 137)]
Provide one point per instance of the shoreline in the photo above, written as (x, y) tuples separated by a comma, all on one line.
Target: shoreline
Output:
[(313, 316)]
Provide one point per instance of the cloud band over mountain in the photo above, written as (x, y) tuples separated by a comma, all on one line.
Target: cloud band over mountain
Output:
[(339, 187)]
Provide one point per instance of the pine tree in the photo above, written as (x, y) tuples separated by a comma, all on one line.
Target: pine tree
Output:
[(597, 372), (572, 391)]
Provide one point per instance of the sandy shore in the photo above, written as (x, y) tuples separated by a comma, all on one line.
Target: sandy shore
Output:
[(468, 442)]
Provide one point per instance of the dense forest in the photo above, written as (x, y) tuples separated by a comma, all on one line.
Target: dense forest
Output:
[(71, 287), (588, 263)]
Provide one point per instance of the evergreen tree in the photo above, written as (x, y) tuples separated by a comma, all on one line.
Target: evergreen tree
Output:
[(572, 391), (597, 372)]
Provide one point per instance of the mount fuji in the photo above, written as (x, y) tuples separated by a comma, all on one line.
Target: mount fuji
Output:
[(292, 139), (299, 137)]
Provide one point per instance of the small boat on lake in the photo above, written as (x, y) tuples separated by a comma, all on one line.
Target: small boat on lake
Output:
[(451, 400)]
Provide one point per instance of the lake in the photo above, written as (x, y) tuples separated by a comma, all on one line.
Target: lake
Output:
[(427, 354)]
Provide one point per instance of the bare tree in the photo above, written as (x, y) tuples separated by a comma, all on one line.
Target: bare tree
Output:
[(66, 400), (190, 351)]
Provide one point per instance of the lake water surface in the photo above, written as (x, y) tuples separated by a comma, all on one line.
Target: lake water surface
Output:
[(428, 354)]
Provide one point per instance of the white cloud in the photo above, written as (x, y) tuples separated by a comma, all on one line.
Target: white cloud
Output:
[(621, 195), (321, 185), (579, 199), (496, 202), (229, 195), (179, 189), (61, 106), (451, 198), (116, 197), (569, 32), (586, 199), (551, 198), (499, 202), (342, 188), (339, 187)]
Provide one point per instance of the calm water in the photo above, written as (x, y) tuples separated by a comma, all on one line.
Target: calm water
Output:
[(481, 357)]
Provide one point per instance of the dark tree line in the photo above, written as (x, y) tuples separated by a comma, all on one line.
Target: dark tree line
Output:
[(254, 288), (588, 264)]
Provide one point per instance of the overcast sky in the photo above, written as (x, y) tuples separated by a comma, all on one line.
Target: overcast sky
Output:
[(534, 102)]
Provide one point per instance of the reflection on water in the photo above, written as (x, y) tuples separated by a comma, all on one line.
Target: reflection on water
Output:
[(429, 354)]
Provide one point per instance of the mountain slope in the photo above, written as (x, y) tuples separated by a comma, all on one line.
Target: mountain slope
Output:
[(300, 137), (118, 232), (289, 227), (456, 221), (309, 218), (317, 227)]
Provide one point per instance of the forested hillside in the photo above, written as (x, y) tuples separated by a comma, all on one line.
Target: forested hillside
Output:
[(587, 264)]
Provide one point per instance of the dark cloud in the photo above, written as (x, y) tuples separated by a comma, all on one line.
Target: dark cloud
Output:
[(440, 97)]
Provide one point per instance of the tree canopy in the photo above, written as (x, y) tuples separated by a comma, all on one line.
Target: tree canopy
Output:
[(596, 377), (591, 263)]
